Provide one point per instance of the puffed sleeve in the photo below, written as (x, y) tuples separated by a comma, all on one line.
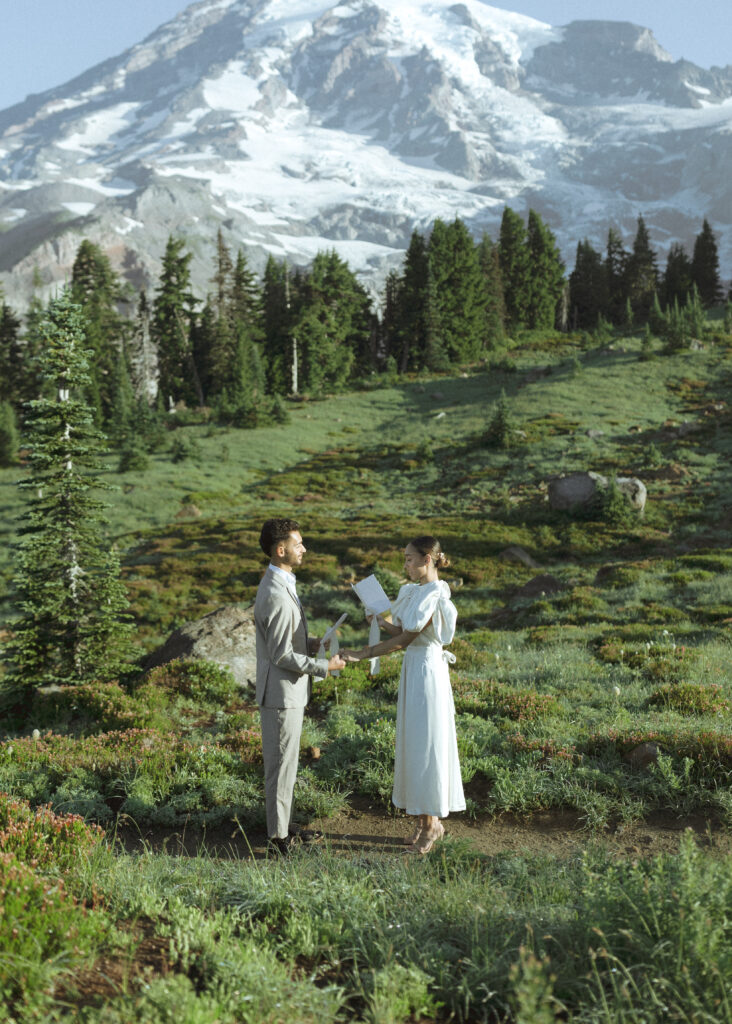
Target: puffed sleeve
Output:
[(399, 605), (431, 602)]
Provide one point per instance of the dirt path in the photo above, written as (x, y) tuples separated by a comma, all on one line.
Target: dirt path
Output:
[(367, 830)]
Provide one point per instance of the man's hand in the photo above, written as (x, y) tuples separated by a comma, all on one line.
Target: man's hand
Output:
[(336, 663)]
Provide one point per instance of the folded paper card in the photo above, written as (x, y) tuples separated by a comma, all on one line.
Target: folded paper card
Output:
[(376, 603), (372, 595), (330, 632)]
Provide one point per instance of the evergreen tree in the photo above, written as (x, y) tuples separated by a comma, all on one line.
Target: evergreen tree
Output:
[(9, 437), (334, 325), (514, 259), (245, 299), (389, 341), (412, 332), (495, 309), (693, 313), (142, 355), (705, 266), (12, 368), (277, 318), (588, 287), (171, 327), (222, 279), (641, 274), (458, 296), (73, 624), (727, 321), (501, 426), (545, 274), (436, 355), (677, 277), (616, 261), (97, 290)]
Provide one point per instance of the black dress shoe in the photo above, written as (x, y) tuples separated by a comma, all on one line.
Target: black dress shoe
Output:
[(305, 835), (280, 847)]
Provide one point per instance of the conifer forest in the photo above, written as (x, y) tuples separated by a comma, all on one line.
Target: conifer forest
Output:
[(566, 433)]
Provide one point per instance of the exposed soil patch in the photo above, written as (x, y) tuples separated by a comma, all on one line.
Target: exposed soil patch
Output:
[(112, 976), (364, 828)]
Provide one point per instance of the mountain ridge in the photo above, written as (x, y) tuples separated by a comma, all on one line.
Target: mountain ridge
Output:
[(300, 126)]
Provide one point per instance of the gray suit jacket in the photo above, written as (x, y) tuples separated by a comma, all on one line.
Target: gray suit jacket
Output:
[(283, 664)]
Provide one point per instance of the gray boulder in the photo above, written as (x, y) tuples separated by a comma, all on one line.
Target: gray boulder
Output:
[(226, 636), (515, 553), (575, 490), (634, 490)]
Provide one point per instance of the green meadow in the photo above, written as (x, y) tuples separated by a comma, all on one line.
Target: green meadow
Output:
[(623, 640)]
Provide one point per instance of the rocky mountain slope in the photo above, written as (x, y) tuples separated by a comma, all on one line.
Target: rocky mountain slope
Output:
[(299, 125)]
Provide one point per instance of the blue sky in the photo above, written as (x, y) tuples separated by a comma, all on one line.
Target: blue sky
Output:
[(45, 42)]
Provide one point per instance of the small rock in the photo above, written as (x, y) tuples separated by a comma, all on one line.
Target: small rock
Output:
[(515, 553), (315, 753), (440, 415), (190, 511), (642, 755), (594, 433), (437, 395), (540, 586), (695, 345)]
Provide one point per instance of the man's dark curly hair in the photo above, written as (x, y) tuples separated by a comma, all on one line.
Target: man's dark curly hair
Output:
[(274, 531)]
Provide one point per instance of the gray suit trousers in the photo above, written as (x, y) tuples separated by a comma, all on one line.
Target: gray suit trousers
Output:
[(281, 730)]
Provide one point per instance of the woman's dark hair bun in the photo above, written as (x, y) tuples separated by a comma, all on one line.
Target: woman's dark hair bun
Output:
[(429, 545)]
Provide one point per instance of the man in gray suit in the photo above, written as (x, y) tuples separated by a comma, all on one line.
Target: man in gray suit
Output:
[(284, 667)]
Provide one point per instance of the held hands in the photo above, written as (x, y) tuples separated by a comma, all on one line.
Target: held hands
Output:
[(354, 656), (336, 662)]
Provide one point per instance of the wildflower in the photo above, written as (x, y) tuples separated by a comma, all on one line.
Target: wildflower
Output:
[(36, 734), (616, 691)]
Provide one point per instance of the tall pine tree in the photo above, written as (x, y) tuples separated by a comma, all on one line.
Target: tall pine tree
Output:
[(705, 266), (97, 290), (545, 274), (459, 295), (172, 327), (588, 288), (616, 261), (73, 624), (514, 261), (677, 277), (641, 274)]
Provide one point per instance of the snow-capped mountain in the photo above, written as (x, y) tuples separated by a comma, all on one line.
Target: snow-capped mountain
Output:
[(299, 125)]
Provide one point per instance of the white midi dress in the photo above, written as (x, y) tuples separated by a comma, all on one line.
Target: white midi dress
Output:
[(426, 766)]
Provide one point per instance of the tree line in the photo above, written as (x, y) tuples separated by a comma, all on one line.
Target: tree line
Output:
[(251, 341)]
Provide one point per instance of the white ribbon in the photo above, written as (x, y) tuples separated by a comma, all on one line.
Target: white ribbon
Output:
[(374, 636), (335, 645)]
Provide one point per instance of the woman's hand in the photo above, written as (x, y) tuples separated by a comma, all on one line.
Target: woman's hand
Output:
[(350, 656)]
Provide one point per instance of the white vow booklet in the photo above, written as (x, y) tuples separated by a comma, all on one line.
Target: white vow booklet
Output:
[(372, 595), (374, 599)]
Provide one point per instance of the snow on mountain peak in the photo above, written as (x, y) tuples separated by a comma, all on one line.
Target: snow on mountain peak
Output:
[(299, 125)]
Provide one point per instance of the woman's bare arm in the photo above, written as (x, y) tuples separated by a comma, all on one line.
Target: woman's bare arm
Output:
[(398, 642), (387, 626)]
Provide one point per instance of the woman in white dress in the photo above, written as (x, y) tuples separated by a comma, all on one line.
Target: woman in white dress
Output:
[(427, 781)]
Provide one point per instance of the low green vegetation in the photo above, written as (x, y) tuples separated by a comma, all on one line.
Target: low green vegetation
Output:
[(606, 633)]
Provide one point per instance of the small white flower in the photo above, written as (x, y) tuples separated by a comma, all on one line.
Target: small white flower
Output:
[(666, 632), (498, 656), (509, 647), (616, 691), (36, 734)]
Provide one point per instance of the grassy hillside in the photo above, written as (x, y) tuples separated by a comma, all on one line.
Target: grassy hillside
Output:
[(556, 682)]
